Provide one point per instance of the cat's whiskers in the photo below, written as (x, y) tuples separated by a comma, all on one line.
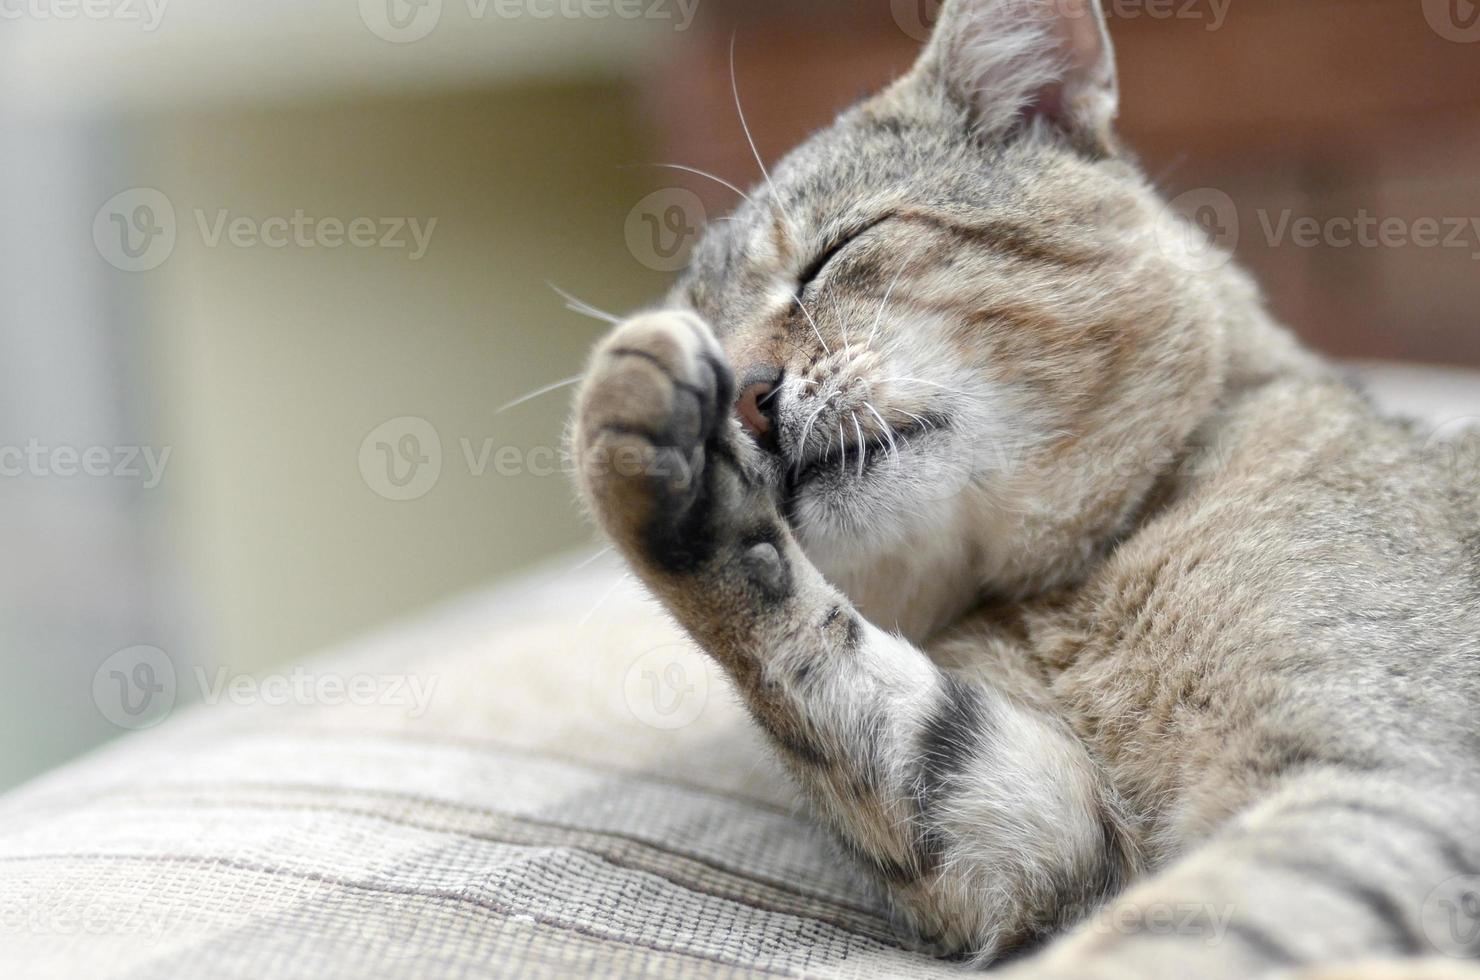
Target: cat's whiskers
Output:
[(884, 303), (842, 321), (596, 557), (576, 305), (923, 423), (862, 456), (933, 384), (807, 432), (888, 429), (791, 225), (750, 139), (602, 601), (808, 313), (704, 173), (544, 390)]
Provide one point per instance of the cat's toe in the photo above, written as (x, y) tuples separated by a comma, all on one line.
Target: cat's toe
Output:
[(652, 417)]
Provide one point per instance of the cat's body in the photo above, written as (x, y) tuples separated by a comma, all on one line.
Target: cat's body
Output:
[(1059, 575)]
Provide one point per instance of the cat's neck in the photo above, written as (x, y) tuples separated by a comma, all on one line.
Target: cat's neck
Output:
[(925, 579)]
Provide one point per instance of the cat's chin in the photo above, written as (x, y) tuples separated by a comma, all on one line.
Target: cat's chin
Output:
[(859, 519), (847, 492)]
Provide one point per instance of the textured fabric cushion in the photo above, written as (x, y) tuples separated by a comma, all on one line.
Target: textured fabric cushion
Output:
[(580, 794)]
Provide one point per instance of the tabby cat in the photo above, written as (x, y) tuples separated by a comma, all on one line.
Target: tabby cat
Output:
[(1064, 581)]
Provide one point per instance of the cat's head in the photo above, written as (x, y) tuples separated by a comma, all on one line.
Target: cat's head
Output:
[(959, 317)]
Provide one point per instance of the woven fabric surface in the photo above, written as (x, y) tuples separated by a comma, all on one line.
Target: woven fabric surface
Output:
[(578, 794)]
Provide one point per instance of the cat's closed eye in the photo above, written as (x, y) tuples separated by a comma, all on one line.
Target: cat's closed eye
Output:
[(825, 257)]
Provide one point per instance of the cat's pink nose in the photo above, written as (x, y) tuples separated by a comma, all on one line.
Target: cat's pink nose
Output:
[(751, 408)]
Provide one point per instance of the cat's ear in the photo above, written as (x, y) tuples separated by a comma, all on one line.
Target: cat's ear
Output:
[(1009, 61)]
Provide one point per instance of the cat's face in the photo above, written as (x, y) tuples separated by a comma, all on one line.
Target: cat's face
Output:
[(957, 317)]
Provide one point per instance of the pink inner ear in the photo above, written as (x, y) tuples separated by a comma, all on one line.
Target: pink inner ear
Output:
[(1083, 52), (1083, 45), (1016, 60), (1048, 103)]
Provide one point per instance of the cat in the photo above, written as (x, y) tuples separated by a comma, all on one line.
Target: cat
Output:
[(1065, 582)]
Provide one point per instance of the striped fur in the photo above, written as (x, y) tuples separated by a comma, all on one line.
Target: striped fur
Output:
[(1083, 603)]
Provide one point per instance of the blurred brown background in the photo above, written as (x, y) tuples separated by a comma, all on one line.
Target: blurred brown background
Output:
[(1306, 109)]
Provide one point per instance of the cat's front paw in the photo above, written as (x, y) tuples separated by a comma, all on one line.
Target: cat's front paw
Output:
[(659, 458)]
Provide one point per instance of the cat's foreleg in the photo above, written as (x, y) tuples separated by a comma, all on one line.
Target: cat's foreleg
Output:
[(986, 821)]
